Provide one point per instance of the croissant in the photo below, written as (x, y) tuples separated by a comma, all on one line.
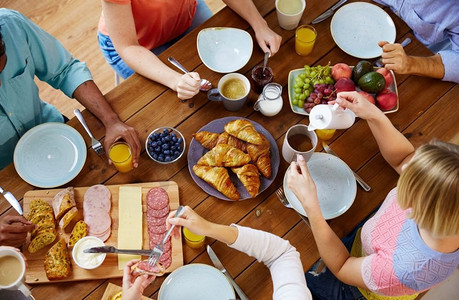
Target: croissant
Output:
[(218, 178), (250, 178), (260, 155), (224, 156), (225, 138), (207, 139), (244, 130)]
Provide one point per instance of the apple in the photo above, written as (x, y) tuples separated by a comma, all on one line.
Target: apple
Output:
[(386, 100), (367, 96), (344, 85), (387, 76), (341, 70)]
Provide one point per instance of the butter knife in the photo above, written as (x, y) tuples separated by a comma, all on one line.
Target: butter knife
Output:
[(359, 179), (218, 264), (328, 12), (12, 200), (111, 249)]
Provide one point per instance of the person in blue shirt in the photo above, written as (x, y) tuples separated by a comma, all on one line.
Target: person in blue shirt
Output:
[(26, 51), (436, 25)]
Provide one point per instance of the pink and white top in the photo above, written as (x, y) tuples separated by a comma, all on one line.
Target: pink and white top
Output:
[(397, 261)]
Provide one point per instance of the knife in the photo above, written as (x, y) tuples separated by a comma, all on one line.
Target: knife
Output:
[(359, 179), (328, 12), (12, 200), (218, 264), (379, 63), (111, 249)]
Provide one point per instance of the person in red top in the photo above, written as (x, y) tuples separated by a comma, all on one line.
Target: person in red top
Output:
[(132, 31)]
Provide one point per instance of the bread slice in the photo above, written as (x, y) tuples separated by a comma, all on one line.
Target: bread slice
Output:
[(63, 202), (70, 218), (79, 231), (42, 239), (57, 261)]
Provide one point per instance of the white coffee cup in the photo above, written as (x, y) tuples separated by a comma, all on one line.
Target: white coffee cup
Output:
[(289, 152), (289, 19), (12, 270)]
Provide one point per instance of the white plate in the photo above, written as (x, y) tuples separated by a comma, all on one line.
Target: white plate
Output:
[(358, 27), (50, 155), (224, 49), (196, 282), (335, 184)]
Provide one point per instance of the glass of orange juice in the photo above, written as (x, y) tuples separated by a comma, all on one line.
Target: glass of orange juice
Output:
[(305, 38), (325, 134), (193, 240), (121, 156)]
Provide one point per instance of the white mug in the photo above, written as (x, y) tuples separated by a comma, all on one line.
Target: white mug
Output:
[(12, 271), (289, 152), (289, 20)]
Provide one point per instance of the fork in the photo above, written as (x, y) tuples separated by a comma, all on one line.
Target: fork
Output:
[(281, 195), (95, 144), (158, 250)]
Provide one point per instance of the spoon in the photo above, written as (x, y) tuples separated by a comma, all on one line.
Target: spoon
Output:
[(264, 63)]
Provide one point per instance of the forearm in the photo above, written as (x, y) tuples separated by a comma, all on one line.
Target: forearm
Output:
[(147, 64), (248, 11), (89, 95), (394, 146), (431, 66), (223, 233)]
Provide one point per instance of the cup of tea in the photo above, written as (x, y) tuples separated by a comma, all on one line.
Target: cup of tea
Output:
[(121, 156), (232, 90), (12, 270), (299, 140), (289, 13)]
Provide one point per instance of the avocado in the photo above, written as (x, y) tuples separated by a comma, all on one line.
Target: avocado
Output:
[(361, 68), (372, 82)]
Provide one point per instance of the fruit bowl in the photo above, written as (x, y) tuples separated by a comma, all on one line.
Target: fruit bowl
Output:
[(299, 110), (165, 145)]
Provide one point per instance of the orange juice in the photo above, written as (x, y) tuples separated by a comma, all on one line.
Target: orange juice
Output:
[(121, 157), (305, 38), (193, 240), (325, 134)]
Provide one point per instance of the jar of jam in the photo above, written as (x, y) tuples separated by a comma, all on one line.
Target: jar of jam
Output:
[(259, 78)]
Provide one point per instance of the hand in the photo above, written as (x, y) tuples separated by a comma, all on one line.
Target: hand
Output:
[(268, 40), (358, 104), (191, 220), (302, 185), (188, 85), (119, 130), (394, 58), (13, 230), (134, 285)]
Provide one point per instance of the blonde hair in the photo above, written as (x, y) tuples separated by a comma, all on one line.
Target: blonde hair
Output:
[(429, 185)]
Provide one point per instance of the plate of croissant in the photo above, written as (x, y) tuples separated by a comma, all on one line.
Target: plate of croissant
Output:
[(233, 158)]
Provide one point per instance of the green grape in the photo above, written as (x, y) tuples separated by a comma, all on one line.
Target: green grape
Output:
[(313, 73), (298, 79), (300, 103), (316, 82), (321, 81), (306, 86), (302, 76), (302, 97), (306, 93), (297, 90), (307, 68), (295, 102), (296, 97), (295, 86), (307, 80), (300, 84), (329, 80)]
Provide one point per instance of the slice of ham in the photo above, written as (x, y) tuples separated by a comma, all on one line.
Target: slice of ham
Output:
[(97, 196)]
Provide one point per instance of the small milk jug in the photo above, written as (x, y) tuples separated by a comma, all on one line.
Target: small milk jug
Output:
[(270, 101), (324, 116)]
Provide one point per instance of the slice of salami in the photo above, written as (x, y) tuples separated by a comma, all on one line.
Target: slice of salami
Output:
[(157, 198), (155, 239), (167, 263), (167, 244), (165, 257), (157, 229), (97, 196), (158, 213), (152, 221)]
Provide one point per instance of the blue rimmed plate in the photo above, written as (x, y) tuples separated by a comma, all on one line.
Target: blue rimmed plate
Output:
[(358, 27), (335, 184), (196, 282), (50, 155)]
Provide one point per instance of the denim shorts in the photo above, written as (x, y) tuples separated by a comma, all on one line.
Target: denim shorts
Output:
[(114, 60)]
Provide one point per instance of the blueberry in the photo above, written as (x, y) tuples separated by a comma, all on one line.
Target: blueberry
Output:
[(156, 135), (176, 153), (174, 139), (154, 155), (179, 149), (173, 134), (158, 149), (165, 146), (180, 140), (154, 144), (167, 138), (149, 143), (173, 148), (163, 140), (167, 152), (151, 149), (165, 130), (167, 158)]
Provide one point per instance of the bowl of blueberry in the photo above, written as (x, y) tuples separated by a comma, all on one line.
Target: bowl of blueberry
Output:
[(165, 145)]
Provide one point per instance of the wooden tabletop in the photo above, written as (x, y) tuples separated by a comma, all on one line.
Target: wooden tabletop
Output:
[(428, 109)]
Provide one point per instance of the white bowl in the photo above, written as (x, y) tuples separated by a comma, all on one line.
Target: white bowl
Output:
[(159, 131), (224, 49), (85, 243)]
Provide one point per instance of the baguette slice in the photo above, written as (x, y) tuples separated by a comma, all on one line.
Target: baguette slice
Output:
[(42, 239), (79, 231), (70, 218), (57, 261), (63, 202)]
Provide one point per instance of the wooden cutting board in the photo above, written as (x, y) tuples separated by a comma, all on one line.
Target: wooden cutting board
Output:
[(35, 272), (112, 289)]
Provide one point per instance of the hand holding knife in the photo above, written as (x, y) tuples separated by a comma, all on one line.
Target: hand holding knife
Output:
[(328, 12)]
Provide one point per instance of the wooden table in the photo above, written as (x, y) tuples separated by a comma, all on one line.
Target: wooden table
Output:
[(428, 108)]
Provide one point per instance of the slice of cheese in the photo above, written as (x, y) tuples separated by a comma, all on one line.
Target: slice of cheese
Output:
[(130, 222)]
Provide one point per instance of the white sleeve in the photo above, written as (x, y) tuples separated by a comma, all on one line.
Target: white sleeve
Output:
[(280, 257)]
